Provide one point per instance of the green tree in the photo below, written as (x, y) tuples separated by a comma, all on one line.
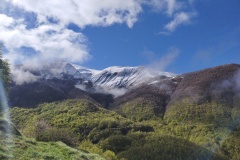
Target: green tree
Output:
[(4, 69)]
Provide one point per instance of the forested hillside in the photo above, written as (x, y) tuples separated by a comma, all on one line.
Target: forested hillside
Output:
[(187, 131)]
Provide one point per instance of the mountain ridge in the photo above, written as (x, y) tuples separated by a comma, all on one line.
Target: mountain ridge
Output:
[(115, 85)]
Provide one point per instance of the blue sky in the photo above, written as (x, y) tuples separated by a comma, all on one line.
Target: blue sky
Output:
[(172, 35)]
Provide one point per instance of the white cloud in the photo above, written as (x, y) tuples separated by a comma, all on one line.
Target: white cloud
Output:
[(167, 6), (96, 12), (53, 40), (172, 6), (162, 63), (102, 89), (165, 33), (179, 19), (179, 12), (84, 12), (20, 76), (5, 21), (50, 41)]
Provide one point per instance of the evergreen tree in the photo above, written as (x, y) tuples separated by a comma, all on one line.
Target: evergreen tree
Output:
[(4, 70)]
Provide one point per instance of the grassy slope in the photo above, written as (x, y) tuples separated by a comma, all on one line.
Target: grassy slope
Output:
[(15, 146), (21, 148)]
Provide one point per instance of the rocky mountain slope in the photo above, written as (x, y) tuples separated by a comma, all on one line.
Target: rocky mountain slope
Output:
[(219, 83), (114, 86)]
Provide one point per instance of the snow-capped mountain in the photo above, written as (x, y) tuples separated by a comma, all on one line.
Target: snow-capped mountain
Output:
[(111, 77)]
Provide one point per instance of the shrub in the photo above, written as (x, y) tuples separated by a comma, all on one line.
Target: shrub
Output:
[(116, 143), (231, 146), (58, 134), (166, 148), (88, 146)]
